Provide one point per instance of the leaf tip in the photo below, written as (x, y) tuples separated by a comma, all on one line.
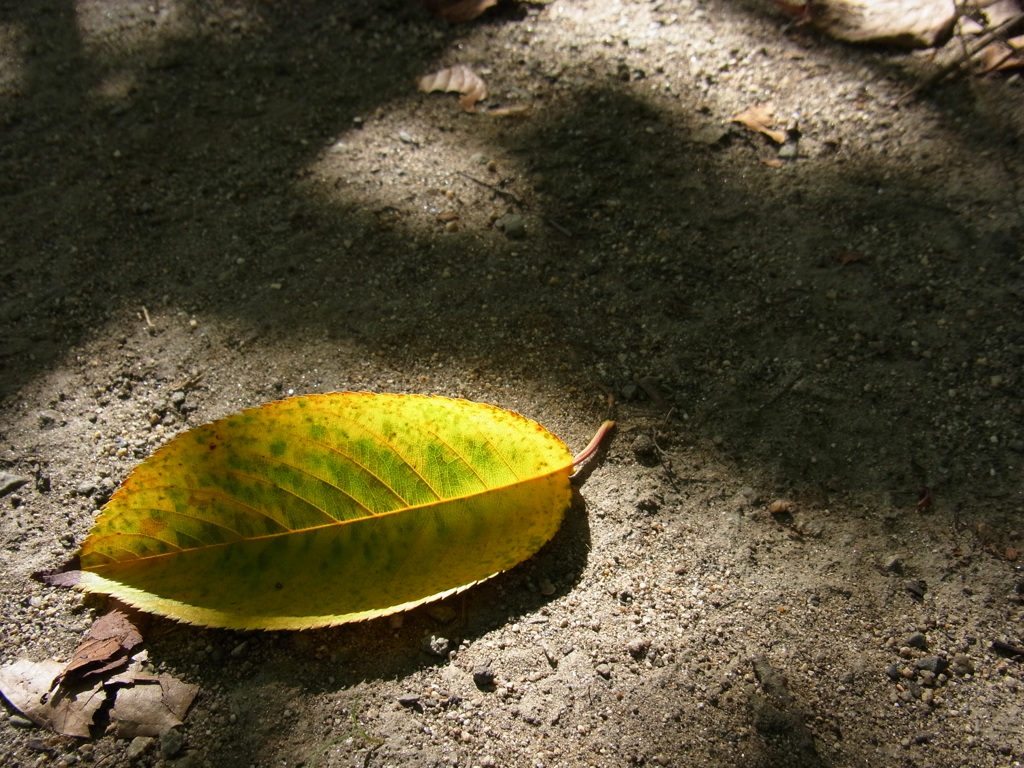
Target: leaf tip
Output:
[(67, 575)]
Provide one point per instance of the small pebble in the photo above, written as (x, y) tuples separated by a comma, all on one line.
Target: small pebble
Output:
[(513, 225), (436, 645), (483, 677), (409, 701), (894, 565), (49, 419), (644, 448), (962, 665), (638, 646), (917, 640), (917, 588), (172, 741), (138, 746), (629, 392), (604, 670), (935, 664), (10, 483)]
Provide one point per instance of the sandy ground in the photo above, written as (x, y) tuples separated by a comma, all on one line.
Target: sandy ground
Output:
[(798, 548)]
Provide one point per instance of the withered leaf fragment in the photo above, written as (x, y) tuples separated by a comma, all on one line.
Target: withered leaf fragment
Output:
[(758, 119), (1001, 56), (151, 705), (28, 686), (457, 79), (106, 646)]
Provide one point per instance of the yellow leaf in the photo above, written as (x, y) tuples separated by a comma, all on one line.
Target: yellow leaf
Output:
[(326, 509)]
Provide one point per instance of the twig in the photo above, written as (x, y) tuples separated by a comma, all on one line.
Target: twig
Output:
[(149, 323), (496, 190), (1007, 648), (556, 226), (969, 51)]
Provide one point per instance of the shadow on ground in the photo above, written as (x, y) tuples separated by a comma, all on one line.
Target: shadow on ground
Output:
[(835, 325)]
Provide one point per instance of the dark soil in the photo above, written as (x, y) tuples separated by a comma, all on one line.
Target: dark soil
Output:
[(208, 204)]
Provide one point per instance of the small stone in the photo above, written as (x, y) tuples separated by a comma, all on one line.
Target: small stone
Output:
[(239, 650), (935, 664), (10, 483), (396, 620), (441, 613), (138, 746), (547, 588), (483, 677), (172, 741), (638, 646), (789, 151), (894, 565), (917, 640), (178, 399), (50, 418), (962, 665), (630, 392), (409, 701), (649, 503), (893, 672), (604, 670), (644, 448), (513, 225), (917, 588), (20, 722), (436, 645)]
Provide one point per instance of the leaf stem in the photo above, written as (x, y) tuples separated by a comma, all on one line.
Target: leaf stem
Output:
[(591, 449)]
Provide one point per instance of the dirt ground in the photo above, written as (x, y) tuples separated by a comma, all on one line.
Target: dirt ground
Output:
[(798, 549)]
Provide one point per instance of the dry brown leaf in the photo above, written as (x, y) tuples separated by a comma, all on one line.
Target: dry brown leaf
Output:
[(105, 647), (454, 11), (1000, 56), (151, 705), (758, 119), (27, 686), (65, 698), (457, 79)]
